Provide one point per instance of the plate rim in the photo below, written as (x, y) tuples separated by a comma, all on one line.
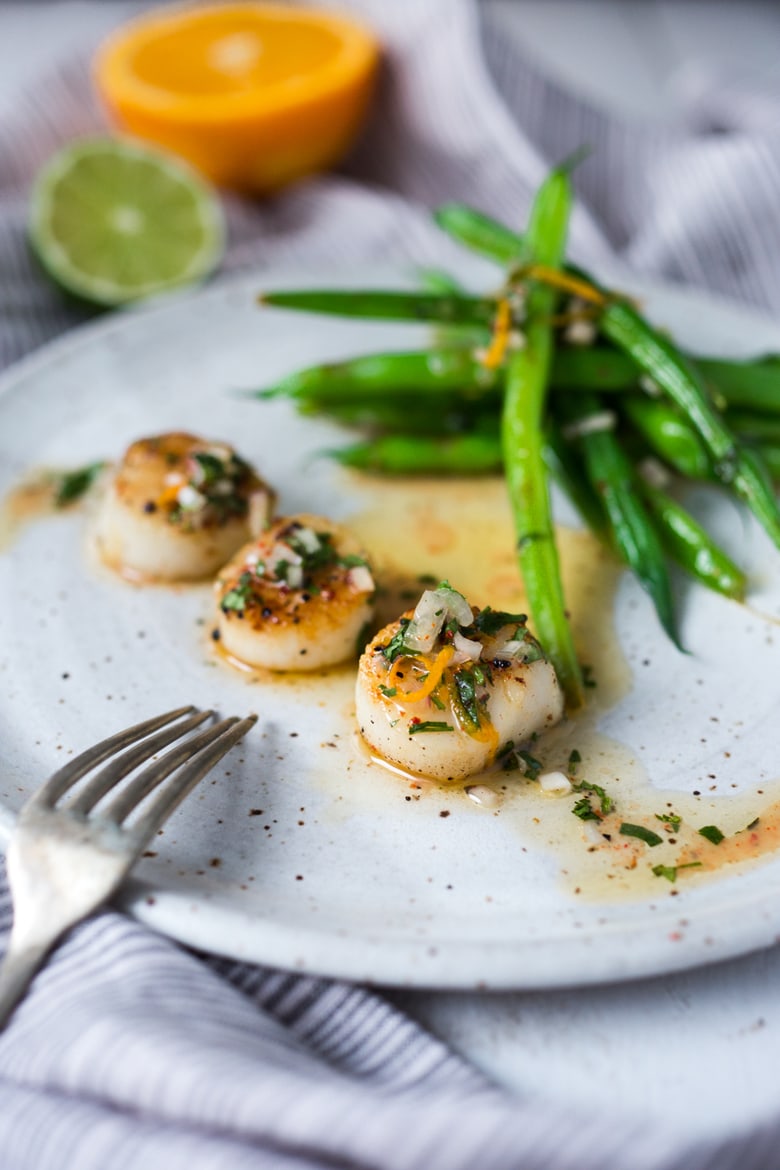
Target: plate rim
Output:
[(169, 910)]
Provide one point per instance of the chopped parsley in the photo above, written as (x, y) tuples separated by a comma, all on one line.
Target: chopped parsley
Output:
[(670, 819), (451, 628), (282, 570), (643, 834), (712, 833), (317, 555), (465, 700), (429, 725), (74, 484), (219, 481), (397, 647), (351, 560), (491, 621), (670, 871), (239, 596), (388, 692), (605, 800), (213, 489), (212, 467), (585, 810), (574, 759), (513, 759), (532, 766)]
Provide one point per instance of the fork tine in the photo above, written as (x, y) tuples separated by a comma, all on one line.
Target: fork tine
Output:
[(66, 777), (123, 765), (132, 793), (166, 801)]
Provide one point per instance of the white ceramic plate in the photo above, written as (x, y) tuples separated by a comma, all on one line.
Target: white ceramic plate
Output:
[(347, 871)]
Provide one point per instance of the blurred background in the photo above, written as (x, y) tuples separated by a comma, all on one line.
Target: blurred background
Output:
[(645, 57)]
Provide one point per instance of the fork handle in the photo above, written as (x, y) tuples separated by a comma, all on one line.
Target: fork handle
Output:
[(21, 962)]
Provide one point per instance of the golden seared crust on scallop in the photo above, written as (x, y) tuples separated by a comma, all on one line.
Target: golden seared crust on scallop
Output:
[(445, 688), (178, 507), (297, 598)]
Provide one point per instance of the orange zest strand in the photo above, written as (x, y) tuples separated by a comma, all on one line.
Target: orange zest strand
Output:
[(486, 733), (562, 280), (437, 669), (502, 328), (169, 494)]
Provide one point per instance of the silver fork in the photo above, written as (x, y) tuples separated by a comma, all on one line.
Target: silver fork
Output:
[(66, 860)]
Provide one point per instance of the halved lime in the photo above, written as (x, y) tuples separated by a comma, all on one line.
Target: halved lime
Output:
[(114, 221)]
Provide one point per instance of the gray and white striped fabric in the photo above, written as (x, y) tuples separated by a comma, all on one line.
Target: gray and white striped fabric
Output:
[(130, 1052)]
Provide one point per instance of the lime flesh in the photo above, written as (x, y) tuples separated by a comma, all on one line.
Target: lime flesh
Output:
[(113, 221)]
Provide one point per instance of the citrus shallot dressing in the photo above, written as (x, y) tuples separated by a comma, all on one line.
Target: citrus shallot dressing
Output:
[(419, 532), (462, 531), (32, 499)]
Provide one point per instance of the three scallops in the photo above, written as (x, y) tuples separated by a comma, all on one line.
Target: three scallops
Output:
[(440, 692)]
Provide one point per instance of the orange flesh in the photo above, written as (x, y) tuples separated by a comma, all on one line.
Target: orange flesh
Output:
[(254, 95), (232, 54)]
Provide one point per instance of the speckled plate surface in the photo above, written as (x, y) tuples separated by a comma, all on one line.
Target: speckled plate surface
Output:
[(301, 853)]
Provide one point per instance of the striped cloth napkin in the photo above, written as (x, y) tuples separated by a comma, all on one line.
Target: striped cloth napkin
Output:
[(132, 1052)]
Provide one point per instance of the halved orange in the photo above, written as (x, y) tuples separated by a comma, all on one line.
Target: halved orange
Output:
[(254, 95)]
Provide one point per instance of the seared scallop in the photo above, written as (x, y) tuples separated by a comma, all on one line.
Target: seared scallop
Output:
[(178, 507), (297, 598), (448, 688)]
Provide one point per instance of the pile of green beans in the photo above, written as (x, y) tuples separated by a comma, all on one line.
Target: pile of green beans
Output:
[(606, 420)]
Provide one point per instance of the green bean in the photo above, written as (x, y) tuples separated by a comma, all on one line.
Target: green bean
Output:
[(436, 280), (682, 536), (733, 465), (658, 357), (445, 308), (752, 384), (434, 375), (692, 547), (568, 473), (381, 414), (673, 439), (770, 453), (412, 455), (479, 232), (403, 375), (522, 441), (749, 425), (633, 531), (592, 368), (668, 434)]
